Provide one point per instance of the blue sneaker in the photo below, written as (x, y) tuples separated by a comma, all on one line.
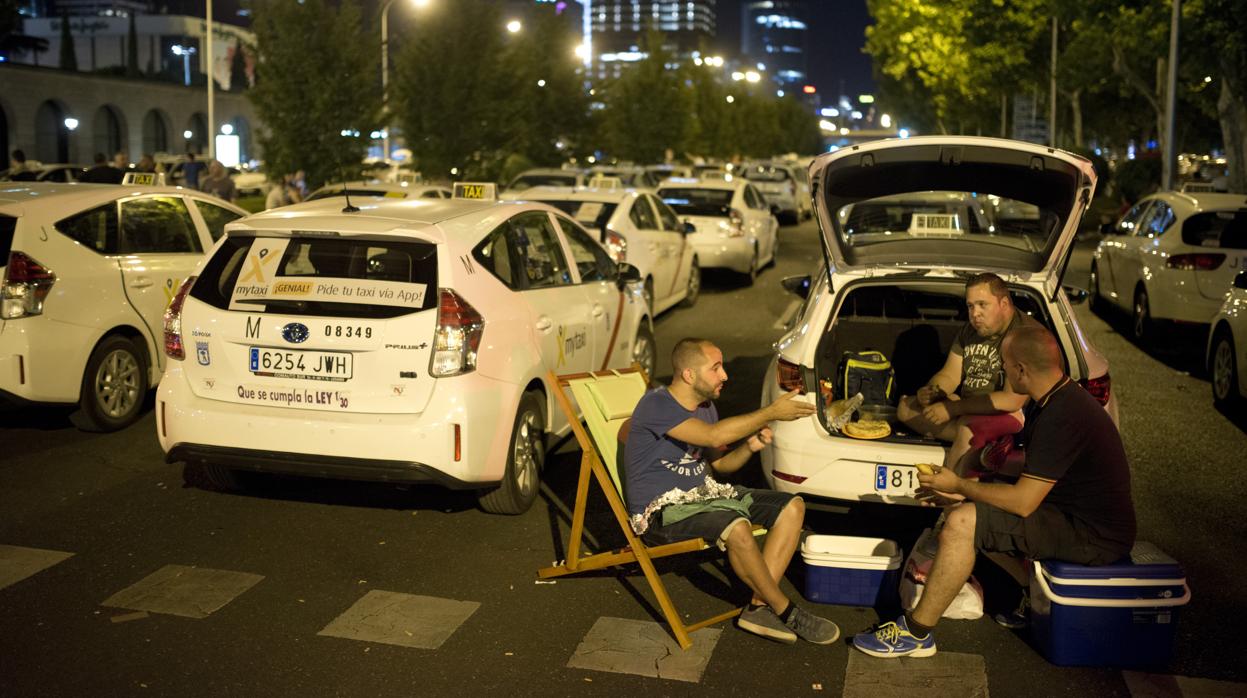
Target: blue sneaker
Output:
[(894, 640)]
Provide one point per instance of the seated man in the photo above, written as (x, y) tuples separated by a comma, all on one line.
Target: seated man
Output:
[(675, 437), (1071, 503), (986, 409)]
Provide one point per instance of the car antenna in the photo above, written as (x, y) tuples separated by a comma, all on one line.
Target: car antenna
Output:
[(348, 208)]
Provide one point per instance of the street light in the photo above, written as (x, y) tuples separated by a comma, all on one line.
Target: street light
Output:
[(71, 123), (514, 26), (385, 69), (185, 52)]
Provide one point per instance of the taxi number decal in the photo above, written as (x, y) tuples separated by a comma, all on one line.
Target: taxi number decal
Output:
[(348, 331)]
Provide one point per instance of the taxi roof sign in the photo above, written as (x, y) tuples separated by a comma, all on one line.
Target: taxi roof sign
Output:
[(144, 179), (601, 182), (479, 191)]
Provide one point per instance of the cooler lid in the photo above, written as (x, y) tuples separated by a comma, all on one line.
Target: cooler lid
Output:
[(1146, 561)]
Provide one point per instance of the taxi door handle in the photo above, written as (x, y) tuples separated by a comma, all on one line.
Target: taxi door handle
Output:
[(141, 282), (597, 310), (544, 323)]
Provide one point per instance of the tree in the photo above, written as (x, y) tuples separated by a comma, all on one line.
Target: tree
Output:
[(451, 92), (69, 59), (647, 108), (132, 50), (309, 42), (1221, 44), (238, 68)]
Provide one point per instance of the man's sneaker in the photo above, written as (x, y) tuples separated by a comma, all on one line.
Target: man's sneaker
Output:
[(1017, 619), (894, 640), (812, 628), (763, 621)]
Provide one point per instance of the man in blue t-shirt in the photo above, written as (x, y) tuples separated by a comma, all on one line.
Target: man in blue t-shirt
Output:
[(674, 440)]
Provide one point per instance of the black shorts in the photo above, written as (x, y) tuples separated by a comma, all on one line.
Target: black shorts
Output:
[(713, 526), (1047, 534)]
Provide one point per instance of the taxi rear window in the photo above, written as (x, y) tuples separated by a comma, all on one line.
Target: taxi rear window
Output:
[(595, 214), (374, 193), (7, 225), (325, 276), (698, 202)]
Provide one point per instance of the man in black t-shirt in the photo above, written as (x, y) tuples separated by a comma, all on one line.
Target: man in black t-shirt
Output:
[(1071, 503), (968, 403)]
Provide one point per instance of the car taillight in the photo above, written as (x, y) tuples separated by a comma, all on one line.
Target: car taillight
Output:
[(1100, 388), (26, 284), (616, 245), (1200, 261), (738, 223), (458, 336), (174, 348), (789, 376)]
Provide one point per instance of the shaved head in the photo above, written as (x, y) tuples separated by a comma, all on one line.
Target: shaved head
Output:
[(689, 352), (1034, 347)]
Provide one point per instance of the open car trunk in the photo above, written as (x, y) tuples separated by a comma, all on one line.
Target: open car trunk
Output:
[(913, 322)]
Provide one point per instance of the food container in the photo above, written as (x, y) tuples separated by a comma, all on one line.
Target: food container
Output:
[(851, 571), (881, 413)]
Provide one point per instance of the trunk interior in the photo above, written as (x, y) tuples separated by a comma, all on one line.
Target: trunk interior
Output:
[(913, 323)]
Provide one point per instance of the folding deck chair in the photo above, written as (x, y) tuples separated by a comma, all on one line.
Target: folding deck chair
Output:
[(606, 400)]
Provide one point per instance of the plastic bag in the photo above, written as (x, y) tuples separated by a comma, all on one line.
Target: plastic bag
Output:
[(968, 605), (841, 412)]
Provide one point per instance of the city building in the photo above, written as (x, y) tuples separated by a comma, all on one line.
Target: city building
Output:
[(617, 30), (773, 36)]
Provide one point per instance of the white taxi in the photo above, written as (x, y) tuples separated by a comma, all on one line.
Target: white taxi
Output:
[(896, 284), (1227, 346), (638, 228), (783, 188), (87, 272), (734, 225), (397, 340), (378, 189)]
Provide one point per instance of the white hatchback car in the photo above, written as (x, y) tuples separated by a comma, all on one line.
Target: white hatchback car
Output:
[(378, 189), (88, 270), (783, 188), (638, 228), (1171, 257), (392, 340), (1227, 346), (734, 225), (896, 284)]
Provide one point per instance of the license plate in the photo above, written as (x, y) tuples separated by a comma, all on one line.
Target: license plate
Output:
[(310, 365), (896, 480)]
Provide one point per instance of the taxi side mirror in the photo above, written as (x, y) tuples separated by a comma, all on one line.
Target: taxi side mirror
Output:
[(799, 285), (627, 274), (688, 228), (1076, 296)]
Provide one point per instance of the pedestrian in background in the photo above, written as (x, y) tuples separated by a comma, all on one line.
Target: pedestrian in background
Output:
[(191, 171), (218, 182), (147, 163), (102, 172), (283, 193), (21, 170), (121, 161)]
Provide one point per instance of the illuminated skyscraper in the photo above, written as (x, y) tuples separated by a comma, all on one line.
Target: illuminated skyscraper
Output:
[(618, 27), (774, 33)]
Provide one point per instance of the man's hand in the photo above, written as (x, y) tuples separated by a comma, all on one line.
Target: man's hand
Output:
[(943, 480), (930, 394), (759, 440), (786, 408), (938, 413)]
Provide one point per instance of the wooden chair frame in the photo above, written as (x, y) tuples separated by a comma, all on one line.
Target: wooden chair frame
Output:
[(636, 550)]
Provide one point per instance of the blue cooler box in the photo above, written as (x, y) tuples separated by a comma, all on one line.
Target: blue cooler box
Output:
[(1120, 615), (851, 571)]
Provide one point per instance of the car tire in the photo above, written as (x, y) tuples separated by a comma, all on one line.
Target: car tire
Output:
[(1223, 371), (644, 351), (1098, 303), (526, 454), (774, 251), (752, 274), (694, 286), (1141, 316), (649, 295), (114, 386)]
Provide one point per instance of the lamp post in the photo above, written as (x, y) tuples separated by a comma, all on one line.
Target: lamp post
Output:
[(185, 52), (385, 72)]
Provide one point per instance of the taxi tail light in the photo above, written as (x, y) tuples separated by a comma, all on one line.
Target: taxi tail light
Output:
[(26, 283), (616, 245), (174, 349), (458, 336), (1200, 261), (789, 376), (738, 223), (1100, 388)]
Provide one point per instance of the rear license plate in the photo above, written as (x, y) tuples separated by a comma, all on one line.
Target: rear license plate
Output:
[(310, 365), (896, 480)]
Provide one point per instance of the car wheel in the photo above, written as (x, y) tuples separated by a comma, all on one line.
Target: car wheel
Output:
[(649, 295), (1224, 369), (643, 350), (1141, 327), (1097, 300), (114, 386), (774, 251), (525, 457), (753, 266), (694, 285)]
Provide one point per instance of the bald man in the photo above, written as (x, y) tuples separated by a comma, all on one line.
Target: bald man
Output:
[(1071, 503), (675, 438)]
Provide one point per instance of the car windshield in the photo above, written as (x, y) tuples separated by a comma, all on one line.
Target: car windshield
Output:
[(594, 214), (529, 181), (958, 217), (337, 191), (691, 201), (762, 173)]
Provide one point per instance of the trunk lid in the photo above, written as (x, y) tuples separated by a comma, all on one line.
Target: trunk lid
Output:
[(307, 320), (929, 202)]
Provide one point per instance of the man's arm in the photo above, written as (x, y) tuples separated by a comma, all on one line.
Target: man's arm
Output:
[(1021, 498), (735, 459), (727, 431), (947, 379), (988, 403)]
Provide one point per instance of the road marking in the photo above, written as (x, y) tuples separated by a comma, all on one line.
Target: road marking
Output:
[(945, 674), (391, 618), (643, 648), (17, 563), (178, 590), (782, 322)]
